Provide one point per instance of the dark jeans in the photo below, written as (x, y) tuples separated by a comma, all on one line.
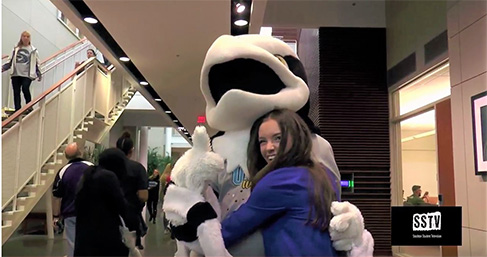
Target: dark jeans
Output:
[(152, 207), (19, 83)]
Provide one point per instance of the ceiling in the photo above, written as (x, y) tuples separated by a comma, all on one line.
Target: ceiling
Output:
[(167, 39)]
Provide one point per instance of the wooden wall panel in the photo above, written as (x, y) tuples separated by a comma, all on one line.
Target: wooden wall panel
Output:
[(354, 118), (446, 175)]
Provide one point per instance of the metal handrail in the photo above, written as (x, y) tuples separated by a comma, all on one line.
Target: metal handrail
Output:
[(51, 89), (57, 53), (64, 50)]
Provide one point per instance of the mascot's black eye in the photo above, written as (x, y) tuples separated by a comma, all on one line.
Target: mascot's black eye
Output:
[(281, 59)]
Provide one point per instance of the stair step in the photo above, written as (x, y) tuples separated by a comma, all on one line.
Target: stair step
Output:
[(6, 224), (31, 188), (11, 124), (22, 200), (88, 123)]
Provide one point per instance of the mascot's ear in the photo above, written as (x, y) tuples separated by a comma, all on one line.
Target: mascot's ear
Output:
[(201, 140)]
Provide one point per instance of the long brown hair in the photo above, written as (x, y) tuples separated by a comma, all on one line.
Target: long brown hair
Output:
[(20, 43), (298, 155)]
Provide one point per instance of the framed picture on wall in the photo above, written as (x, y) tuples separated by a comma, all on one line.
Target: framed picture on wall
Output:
[(479, 119)]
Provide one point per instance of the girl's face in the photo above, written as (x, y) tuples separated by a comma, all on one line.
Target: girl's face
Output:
[(90, 54), (25, 39), (269, 139)]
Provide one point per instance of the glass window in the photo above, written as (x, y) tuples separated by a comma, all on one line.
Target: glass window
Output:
[(427, 89), (68, 24)]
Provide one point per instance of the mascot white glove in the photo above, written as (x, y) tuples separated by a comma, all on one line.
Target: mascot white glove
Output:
[(347, 230)]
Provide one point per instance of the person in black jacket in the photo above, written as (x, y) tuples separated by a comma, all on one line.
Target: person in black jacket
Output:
[(100, 205), (135, 188), (154, 185)]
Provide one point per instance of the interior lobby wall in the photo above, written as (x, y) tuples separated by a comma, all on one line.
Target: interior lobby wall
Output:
[(467, 41)]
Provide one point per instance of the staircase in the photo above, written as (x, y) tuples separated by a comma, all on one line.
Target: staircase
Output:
[(33, 146)]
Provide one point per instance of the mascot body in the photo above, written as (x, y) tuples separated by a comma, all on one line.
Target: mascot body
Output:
[(243, 78), (193, 221)]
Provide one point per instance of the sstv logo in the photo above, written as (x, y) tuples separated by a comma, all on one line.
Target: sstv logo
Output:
[(427, 221)]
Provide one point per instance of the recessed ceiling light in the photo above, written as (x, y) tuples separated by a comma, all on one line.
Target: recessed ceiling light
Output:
[(124, 59), (187, 133), (90, 20), (240, 8), (144, 83), (175, 120), (167, 111), (158, 99), (241, 22)]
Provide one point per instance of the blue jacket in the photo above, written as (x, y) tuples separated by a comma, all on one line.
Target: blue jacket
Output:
[(279, 206)]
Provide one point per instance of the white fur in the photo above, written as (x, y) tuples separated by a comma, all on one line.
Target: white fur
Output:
[(198, 164), (366, 248), (238, 109), (347, 230), (230, 147), (189, 174)]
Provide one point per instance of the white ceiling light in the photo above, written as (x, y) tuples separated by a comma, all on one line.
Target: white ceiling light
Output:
[(167, 111), (124, 59), (144, 83), (158, 99), (91, 20), (240, 8), (241, 22), (175, 120)]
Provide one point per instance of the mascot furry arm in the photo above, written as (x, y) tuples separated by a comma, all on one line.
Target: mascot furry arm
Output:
[(243, 78), (194, 221)]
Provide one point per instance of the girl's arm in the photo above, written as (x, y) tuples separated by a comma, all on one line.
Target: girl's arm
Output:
[(268, 200)]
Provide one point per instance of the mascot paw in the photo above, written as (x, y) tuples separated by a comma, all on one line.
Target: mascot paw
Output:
[(346, 226), (364, 249)]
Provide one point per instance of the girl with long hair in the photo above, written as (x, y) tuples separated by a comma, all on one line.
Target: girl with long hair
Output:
[(291, 192), (99, 205), (25, 68)]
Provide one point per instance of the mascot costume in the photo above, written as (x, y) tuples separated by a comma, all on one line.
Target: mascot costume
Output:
[(243, 78), (194, 222)]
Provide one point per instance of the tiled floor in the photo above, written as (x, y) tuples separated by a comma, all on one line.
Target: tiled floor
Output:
[(156, 243)]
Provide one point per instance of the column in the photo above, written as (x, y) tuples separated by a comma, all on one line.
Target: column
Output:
[(143, 145), (168, 144)]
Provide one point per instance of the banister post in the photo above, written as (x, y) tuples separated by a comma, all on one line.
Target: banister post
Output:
[(17, 165), (42, 114), (71, 119)]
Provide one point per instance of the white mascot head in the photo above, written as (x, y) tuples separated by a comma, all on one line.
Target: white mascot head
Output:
[(246, 76)]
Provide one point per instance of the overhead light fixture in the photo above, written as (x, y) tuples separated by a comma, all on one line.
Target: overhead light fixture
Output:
[(180, 128), (187, 133), (167, 111), (90, 20), (144, 83), (158, 99), (124, 59), (241, 22), (175, 120), (240, 8)]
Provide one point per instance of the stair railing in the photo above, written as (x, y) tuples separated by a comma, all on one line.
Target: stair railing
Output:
[(30, 143)]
